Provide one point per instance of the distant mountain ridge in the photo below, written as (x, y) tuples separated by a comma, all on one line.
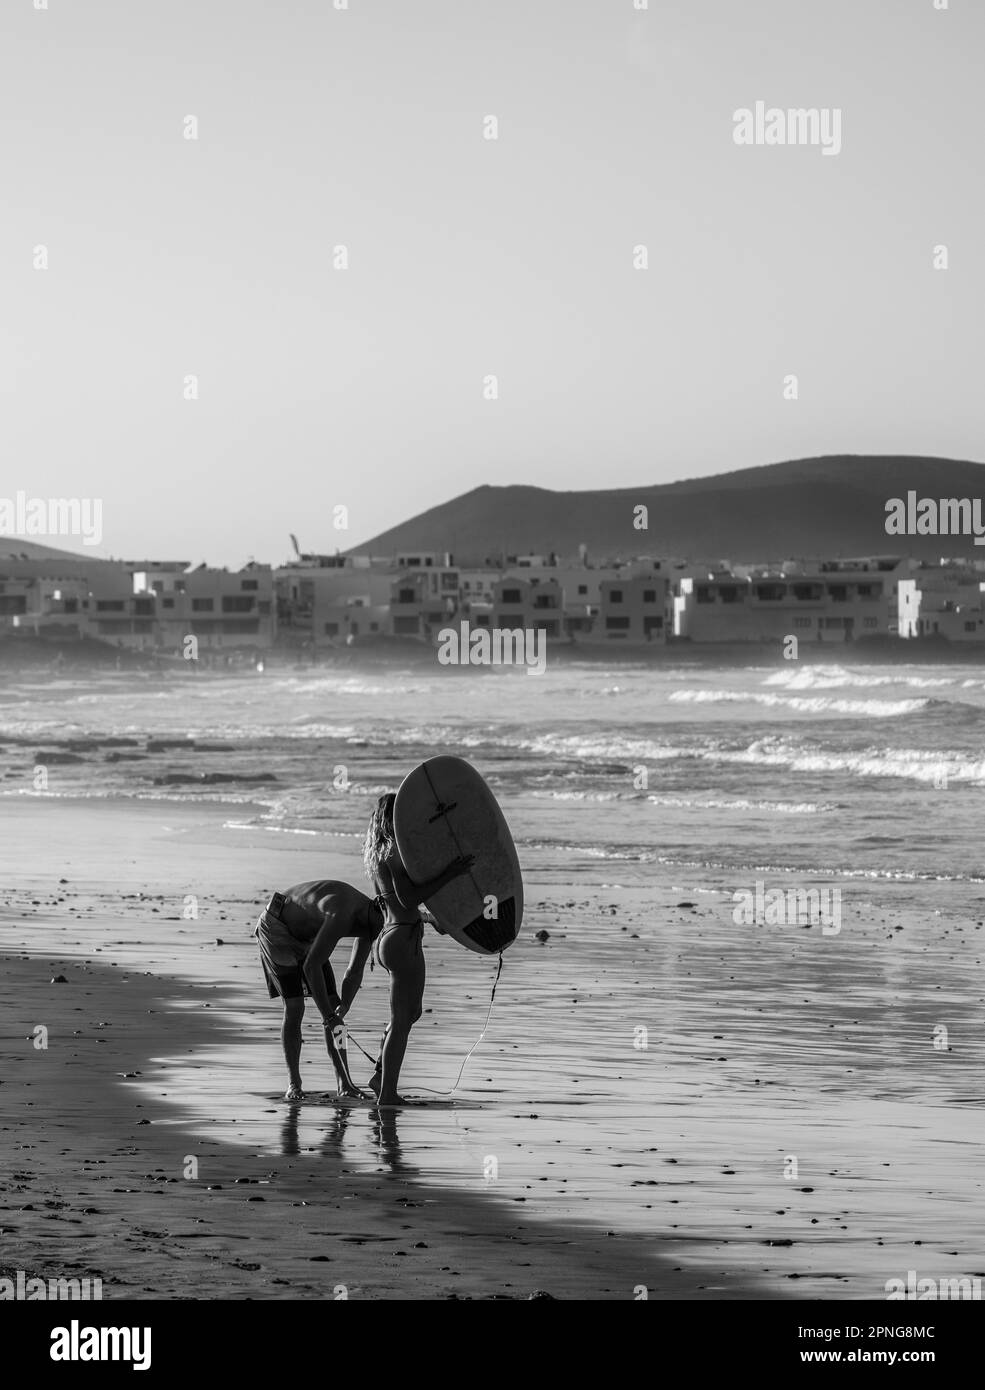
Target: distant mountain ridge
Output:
[(828, 506)]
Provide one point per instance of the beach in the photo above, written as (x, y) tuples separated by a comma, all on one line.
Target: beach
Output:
[(624, 1130)]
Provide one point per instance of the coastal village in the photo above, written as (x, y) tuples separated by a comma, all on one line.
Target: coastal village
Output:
[(315, 603)]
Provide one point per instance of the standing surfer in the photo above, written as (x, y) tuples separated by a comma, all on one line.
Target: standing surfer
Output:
[(399, 945)]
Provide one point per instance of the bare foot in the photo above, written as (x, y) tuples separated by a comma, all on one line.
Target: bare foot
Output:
[(392, 1102), (294, 1091), (353, 1093)]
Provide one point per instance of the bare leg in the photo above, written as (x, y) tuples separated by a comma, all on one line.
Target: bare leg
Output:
[(402, 955), (374, 1081), (290, 1036)]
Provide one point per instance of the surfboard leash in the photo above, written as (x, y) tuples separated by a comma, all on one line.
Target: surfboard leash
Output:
[(461, 1073)]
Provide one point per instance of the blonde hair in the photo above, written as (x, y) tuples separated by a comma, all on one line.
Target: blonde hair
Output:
[(380, 840)]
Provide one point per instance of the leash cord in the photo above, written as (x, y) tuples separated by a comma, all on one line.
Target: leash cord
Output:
[(461, 1073)]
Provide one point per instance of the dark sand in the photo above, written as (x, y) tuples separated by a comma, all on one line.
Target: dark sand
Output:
[(96, 1183)]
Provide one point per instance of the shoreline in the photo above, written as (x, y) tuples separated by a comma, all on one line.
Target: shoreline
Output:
[(74, 658), (123, 1209), (661, 1167)]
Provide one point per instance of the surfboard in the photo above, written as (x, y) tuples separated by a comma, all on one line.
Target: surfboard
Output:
[(443, 809)]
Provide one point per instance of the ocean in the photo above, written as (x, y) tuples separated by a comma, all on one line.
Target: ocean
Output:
[(868, 777)]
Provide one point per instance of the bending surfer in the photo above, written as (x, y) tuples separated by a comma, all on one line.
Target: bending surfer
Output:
[(399, 945), (297, 933)]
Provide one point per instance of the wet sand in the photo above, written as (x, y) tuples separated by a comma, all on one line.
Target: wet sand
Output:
[(572, 1160)]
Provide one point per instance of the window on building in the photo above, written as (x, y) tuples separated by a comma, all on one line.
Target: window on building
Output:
[(802, 622), (730, 593), (616, 624), (512, 596), (870, 622), (237, 603), (771, 593), (615, 595), (970, 627), (110, 605), (807, 593), (704, 593), (202, 605), (649, 595), (251, 585), (405, 596), (652, 623), (167, 602), (331, 629), (838, 593), (144, 607), (583, 588)]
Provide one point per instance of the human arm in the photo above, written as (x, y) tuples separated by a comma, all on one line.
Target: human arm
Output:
[(410, 893), (317, 966), (353, 977), (430, 920)]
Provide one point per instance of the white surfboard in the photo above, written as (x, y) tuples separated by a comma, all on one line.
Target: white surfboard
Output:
[(443, 809)]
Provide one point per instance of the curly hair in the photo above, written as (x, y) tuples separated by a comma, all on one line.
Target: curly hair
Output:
[(380, 841)]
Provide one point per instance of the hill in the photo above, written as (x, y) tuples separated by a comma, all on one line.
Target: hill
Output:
[(834, 505)]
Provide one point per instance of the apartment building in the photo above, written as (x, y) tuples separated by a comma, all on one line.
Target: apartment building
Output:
[(951, 601), (636, 607), (313, 603), (833, 601), (422, 600), (580, 584), (223, 609), (529, 604)]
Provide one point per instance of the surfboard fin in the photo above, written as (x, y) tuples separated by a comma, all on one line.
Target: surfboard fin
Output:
[(494, 934)]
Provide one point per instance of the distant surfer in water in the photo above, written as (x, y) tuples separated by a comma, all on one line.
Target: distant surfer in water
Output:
[(399, 944), (297, 933)]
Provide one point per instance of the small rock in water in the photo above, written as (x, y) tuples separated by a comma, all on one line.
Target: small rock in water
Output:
[(542, 936), (58, 980)]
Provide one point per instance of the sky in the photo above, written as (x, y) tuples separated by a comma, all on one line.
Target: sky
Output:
[(364, 127)]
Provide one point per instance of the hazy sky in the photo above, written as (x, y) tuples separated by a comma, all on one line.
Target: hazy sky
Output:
[(363, 127)]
